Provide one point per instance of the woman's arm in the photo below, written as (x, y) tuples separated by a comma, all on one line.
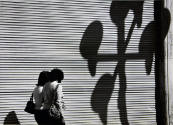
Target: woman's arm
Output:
[(59, 99)]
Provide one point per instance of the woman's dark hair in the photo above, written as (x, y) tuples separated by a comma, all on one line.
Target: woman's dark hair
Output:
[(56, 75), (43, 78)]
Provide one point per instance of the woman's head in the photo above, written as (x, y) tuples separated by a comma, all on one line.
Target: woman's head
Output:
[(56, 75), (43, 78)]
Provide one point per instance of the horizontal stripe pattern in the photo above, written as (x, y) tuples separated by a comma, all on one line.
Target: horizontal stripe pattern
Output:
[(40, 35)]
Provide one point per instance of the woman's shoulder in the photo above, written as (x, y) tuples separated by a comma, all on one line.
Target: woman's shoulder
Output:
[(38, 89), (55, 84)]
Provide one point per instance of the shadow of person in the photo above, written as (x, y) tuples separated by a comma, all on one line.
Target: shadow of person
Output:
[(11, 119)]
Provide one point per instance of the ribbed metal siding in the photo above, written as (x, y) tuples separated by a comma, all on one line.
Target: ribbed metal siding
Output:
[(39, 35)]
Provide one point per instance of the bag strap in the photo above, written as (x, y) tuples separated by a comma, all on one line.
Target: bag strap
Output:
[(31, 98)]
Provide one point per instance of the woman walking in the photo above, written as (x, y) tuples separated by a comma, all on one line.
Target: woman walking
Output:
[(38, 97)]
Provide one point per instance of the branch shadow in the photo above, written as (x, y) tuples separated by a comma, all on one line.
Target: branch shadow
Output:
[(118, 13)]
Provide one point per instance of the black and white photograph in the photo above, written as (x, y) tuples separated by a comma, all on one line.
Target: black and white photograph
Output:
[(86, 62)]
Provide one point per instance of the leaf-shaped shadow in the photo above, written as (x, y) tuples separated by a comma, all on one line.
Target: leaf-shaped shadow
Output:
[(147, 45), (101, 96), (120, 9), (166, 22), (90, 44)]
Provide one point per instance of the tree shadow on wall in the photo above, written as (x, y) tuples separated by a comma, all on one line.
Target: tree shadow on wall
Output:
[(91, 42), (11, 119)]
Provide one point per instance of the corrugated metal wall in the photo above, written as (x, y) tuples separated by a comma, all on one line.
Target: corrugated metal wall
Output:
[(38, 35)]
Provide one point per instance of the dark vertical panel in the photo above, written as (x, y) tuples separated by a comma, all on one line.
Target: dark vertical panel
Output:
[(108, 65), (162, 19)]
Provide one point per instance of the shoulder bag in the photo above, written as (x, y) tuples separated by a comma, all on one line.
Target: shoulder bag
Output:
[(30, 106)]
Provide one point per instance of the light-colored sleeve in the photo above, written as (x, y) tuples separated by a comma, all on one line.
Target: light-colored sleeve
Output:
[(60, 97)]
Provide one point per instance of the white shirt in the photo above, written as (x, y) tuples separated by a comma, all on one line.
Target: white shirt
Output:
[(37, 94)]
